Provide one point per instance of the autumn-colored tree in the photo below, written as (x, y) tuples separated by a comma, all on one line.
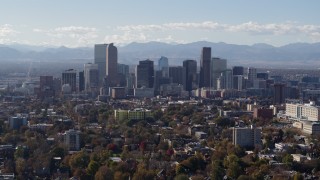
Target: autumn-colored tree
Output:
[(104, 173)]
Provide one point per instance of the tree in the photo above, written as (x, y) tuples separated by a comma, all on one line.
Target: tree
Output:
[(298, 176), (287, 159), (79, 160), (92, 168), (181, 177), (232, 163), (217, 171), (104, 173)]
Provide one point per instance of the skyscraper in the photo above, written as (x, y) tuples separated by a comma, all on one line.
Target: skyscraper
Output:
[(81, 81), (112, 64), (70, 77), (237, 70), (252, 75), (217, 67), (163, 66), (145, 74), (177, 74), (279, 93), (100, 58), (91, 77), (191, 74), (205, 67)]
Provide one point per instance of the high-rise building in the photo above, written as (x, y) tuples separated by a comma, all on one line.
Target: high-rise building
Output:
[(91, 77), (81, 81), (177, 74), (112, 64), (279, 93), (226, 80), (217, 67), (145, 74), (191, 74), (247, 137), (252, 75), (237, 70), (238, 82), (70, 77), (163, 66), (46, 82), (46, 87), (72, 139), (205, 67), (264, 76), (123, 69), (100, 58)]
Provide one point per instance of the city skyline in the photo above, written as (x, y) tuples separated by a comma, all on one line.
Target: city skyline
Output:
[(79, 23)]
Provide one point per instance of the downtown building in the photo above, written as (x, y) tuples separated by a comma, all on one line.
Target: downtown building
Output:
[(205, 67)]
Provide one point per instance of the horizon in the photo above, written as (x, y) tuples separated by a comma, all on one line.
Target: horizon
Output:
[(83, 24)]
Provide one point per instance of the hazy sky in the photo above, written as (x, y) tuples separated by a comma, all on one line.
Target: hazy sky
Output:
[(83, 23)]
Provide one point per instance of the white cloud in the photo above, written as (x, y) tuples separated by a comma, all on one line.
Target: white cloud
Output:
[(6, 30), (249, 27), (82, 35), (126, 37)]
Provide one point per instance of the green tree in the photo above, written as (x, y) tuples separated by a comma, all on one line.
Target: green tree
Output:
[(217, 171), (287, 159), (181, 177), (79, 160), (92, 168), (298, 176), (232, 163)]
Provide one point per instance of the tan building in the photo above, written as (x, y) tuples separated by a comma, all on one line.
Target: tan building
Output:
[(308, 112)]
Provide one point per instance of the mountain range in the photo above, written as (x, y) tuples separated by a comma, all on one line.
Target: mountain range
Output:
[(296, 55)]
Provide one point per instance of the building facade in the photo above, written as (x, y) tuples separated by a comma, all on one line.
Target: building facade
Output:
[(205, 67)]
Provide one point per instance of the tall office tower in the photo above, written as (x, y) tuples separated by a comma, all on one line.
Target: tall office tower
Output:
[(279, 93), (112, 63), (177, 74), (238, 82), (70, 77), (226, 80), (163, 66), (160, 80), (46, 87), (217, 67), (72, 139), (237, 70), (46, 82), (191, 74), (100, 58), (91, 77), (247, 137), (263, 76), (205, 67), (145, 74), (252, 75), (81, 81), (123, 69)]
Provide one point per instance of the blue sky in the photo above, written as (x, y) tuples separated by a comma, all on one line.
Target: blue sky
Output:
[(76, 23)]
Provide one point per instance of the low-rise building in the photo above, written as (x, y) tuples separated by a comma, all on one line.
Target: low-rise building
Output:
[(138, 113)]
